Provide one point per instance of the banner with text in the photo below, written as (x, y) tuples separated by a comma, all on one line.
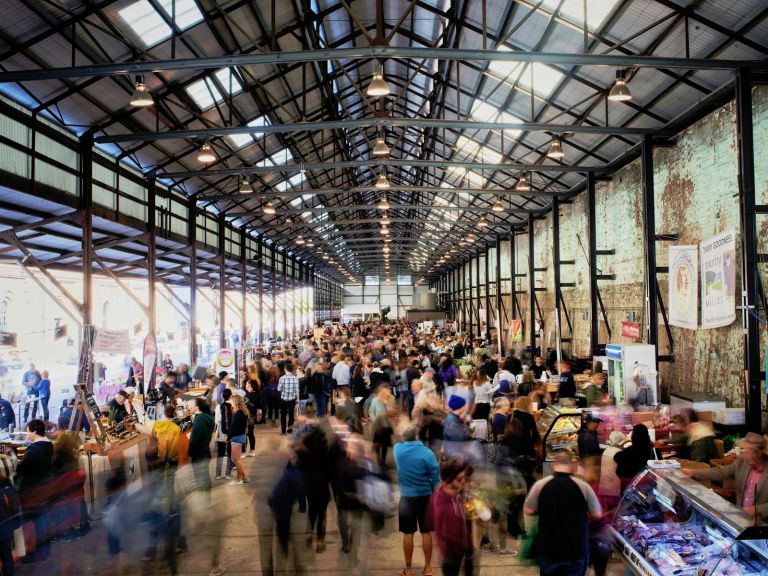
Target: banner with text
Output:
[(112, 341), (718, 280), (683, 286)]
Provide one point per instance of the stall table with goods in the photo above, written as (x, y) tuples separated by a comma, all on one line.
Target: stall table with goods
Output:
[(669, 525)]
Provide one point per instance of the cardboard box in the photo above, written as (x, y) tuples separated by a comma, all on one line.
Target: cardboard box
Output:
[(642, 417)]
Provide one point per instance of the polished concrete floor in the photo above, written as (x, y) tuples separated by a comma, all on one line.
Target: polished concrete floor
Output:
[(240, 515)]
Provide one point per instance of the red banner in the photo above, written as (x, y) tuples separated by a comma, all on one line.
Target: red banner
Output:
[(630, 330)]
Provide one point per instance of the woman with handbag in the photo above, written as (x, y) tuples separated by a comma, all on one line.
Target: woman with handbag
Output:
[(236, 438), (252, 402)]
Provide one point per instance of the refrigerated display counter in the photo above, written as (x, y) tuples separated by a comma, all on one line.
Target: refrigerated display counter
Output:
[(559, 427), (670, 525)]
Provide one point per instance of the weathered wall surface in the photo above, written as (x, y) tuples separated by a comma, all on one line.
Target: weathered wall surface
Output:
[(696, 183)]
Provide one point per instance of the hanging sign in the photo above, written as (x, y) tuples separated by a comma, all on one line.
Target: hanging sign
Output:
[(225, 359), (630, 330), (683, 286), (718, 280), (112, 341), (516, 330)]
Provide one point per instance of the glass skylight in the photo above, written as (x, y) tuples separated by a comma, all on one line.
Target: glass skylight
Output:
[(282, 156), (150, 26), (484, 112), (290, 183), (241, 140), (146, 22), (187, 12), (205, 93), (473, 150), (573, 10), (545, 78)]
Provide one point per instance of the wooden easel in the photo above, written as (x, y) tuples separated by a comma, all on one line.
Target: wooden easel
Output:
[(85, 405)]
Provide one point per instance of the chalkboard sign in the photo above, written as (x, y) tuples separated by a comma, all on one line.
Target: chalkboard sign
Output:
[(90, 400)]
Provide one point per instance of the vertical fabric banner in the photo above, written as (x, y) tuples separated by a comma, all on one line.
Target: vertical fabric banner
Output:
[(683, 286), (149, 361), (516, 330), (718, 280)]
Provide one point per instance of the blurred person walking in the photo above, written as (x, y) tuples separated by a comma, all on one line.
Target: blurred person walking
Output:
[(236, 438), (288, 387)]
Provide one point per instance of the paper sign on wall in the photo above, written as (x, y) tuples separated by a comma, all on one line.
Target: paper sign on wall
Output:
[(683, 286), (718, 280)]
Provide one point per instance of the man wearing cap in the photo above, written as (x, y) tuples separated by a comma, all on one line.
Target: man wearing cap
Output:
[(588, 443), (428, 380), (749, 472)]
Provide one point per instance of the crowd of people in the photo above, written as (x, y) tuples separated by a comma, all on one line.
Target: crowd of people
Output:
[(384, 428)]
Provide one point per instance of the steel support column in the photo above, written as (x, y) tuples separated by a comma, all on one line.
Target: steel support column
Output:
[(479, 298), (152, 264), (513, 276), (749, 274), (243, 288), (531, 290), (556, 271), (649, 231), (192, 241), (273, 274), (86, 221), (594, 326), (464, 301), (222, 282), (498, 289), (260, 249), (487, 294)]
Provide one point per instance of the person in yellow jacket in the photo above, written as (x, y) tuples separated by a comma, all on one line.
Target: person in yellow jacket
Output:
[(167, 433)]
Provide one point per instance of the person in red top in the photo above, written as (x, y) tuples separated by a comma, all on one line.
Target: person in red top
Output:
[(452, 525)]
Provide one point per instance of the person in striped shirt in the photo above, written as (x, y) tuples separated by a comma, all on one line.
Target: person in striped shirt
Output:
[(288, 387)]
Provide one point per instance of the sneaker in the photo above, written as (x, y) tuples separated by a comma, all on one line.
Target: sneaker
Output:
[(218, 477), (506, 552), (246, 481), (235, 483), (228, 477)]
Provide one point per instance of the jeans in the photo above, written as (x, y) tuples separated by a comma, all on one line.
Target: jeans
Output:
[(553, 567), (251, 438), (31, 401), (321, 403), (287, 408), (44, 402)]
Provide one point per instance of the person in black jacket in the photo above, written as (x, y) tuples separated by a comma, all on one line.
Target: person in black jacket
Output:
[(588, 443), (35, 472), (117, 406), (10, 520), (199, 450), (633, 459), (320, 388), (252, 402)]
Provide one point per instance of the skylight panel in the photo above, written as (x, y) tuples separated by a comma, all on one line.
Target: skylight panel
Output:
[(485, 112), (545, 78), (282, 156), (296, 202), (205, 93), (187, 12), (146, 22), (472, 149), (573, 10), (240, 140)]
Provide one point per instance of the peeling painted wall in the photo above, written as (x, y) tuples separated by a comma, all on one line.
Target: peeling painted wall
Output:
[(696, 183)]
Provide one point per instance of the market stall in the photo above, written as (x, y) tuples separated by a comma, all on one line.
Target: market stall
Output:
[(668, 524)]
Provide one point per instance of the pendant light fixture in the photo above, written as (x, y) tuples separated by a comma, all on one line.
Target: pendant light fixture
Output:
[(206, 154), (245, 186), (380, 148), (141, 97), (383, 204), (482, 223), (384, 231), (300, 240), (620, 91), (378, 85), (269, 208), (497, 207), (522, 184), (382, 183), (556, 149), (310, 242)]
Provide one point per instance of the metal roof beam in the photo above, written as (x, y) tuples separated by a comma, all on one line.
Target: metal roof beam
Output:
[(379, 52)]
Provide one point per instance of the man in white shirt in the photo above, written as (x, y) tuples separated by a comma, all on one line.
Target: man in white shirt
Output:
[(342, 372)]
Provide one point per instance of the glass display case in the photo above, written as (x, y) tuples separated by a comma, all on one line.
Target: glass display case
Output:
[(559, 427), (668, 524)]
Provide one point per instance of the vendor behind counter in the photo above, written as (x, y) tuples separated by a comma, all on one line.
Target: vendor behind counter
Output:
[(749, 472)]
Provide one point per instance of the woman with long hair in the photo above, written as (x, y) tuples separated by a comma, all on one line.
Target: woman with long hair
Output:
[(252, 402), (237, 437), (481, 407)]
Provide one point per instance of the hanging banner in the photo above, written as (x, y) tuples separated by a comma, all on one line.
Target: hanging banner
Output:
[(149, 361), (683, 286), (516, 330), (718, 280), (112, 341), (630, 330)]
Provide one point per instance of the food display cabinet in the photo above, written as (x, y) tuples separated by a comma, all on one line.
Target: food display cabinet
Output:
[(558, 427), (670, 525)]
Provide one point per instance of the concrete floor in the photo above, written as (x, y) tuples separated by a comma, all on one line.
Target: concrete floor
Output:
[(240, 514)]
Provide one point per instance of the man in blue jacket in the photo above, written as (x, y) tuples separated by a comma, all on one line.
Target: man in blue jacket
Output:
[(418, 474)]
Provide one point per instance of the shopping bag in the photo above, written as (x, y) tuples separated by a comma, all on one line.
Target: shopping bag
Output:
[(19, 546), (529, 549)]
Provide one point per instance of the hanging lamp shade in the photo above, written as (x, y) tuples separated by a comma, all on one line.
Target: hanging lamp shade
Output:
[(245, 186), (497, 207), (382, 183), (383, 205), (384, 231), (522, 184), (206, 154), (380, 148), (141, 97), (620, 91), (310, 242), (378, 85), (269, 208), (482, 223), (556, 149), (300, 240)]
